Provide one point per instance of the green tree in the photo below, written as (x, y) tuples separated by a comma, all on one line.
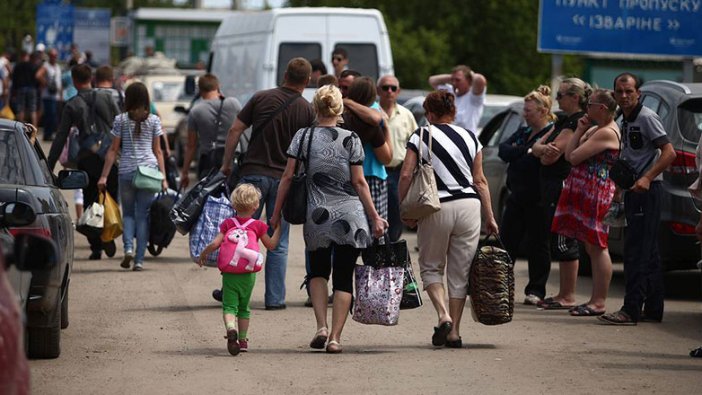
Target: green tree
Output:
[(496, 38)]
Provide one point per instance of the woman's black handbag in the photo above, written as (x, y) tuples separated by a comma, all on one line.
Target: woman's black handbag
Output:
[(623, 174), (395, 254), (295, 206)]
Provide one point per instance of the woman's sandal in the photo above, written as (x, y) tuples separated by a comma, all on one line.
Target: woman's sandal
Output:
[(334, 347), (320, 339)]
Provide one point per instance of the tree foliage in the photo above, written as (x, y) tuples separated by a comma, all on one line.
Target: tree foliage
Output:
[(495, 38)]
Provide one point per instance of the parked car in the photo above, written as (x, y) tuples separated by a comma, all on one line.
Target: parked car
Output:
[(493, 105), (680, 108), (22, 254), (25, 178)]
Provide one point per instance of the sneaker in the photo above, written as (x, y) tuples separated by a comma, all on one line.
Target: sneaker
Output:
[(110, 248), (138, 266), (532, 299), (217, 294), (127, 260), (243, 345)]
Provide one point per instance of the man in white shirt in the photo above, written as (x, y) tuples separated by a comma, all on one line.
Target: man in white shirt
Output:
[(469, 88), (401, 124)]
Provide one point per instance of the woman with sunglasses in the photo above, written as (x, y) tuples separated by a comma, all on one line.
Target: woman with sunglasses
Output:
[(572, 97), (588, 192)]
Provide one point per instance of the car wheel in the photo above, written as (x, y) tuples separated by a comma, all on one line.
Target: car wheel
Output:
[(45, 343), (64, 311)]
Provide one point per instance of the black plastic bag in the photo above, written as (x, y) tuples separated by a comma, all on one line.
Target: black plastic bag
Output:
[(187, 209), (161, 228), (411, 294)]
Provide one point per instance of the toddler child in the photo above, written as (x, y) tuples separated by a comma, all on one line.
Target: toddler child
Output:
[(239, 260)]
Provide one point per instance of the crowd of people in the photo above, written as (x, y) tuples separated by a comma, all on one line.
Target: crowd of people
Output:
[(362, 151)]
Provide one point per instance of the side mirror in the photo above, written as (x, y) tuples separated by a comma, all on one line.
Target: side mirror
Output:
[(180, 109), (190, 85), (72, 179), (17, 214), (33, 252)]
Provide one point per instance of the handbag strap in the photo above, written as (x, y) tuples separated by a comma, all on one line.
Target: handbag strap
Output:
[(264, 124), (299, 150), (421, 141), (218, 121)]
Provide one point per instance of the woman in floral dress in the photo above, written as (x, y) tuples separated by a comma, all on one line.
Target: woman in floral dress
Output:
[(588, 192)]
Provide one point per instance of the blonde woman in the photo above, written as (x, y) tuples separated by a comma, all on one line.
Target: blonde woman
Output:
[(588, 192), (524, 213), (572, 97), (339, 207)]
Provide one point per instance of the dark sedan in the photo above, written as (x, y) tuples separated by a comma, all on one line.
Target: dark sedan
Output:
[(680, 108), (25, 178)]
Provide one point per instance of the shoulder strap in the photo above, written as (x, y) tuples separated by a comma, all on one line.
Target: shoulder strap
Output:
[(268, 120), (244, 225)]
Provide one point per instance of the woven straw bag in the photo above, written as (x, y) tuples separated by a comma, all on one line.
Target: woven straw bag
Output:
[(492, 285)]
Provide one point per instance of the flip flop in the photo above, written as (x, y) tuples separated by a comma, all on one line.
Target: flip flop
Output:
[(584, 310), (440, 333), (554, 305)]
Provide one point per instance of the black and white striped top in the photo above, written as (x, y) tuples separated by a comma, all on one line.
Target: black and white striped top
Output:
[(453, 152)]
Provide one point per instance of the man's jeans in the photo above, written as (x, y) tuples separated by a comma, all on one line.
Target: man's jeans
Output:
[(277, 259), (643, 270), (50, 117)]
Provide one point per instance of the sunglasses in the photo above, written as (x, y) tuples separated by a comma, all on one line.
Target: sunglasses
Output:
[(389, 88), (559, 95), (592, 103)]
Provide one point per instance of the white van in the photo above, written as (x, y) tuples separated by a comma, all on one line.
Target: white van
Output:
[(251, 49)]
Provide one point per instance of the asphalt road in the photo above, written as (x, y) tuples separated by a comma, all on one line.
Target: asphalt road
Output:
[(160, 332)]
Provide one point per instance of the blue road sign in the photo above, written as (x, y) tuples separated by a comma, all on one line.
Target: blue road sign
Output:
[(639, 27), (55, 27)]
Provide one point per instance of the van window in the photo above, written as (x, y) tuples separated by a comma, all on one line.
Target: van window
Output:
[(362, 58), (287, 51)]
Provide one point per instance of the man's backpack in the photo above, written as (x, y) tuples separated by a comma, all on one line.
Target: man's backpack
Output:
[(96, 136)]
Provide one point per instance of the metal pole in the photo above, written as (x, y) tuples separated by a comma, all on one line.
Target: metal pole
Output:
[(556, 71), (688, 70)]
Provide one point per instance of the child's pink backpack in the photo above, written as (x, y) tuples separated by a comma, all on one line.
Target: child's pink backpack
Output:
[(239, 252)]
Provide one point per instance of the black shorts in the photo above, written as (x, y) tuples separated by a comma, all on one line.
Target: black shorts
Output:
[(562, 248)]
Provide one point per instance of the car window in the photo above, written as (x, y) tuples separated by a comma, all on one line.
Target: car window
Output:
[(169, 91), (488, 112), (362, 58), (513, 122), (11, 171), (655, 103), (491, 128), (47, 177), (690, 119), (287, 51)]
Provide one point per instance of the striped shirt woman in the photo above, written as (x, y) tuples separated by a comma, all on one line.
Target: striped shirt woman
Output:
[(449, 237)]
